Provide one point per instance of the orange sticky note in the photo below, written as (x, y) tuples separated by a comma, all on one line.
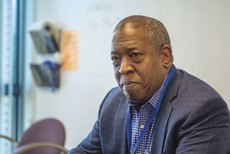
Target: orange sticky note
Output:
[(69, 50)]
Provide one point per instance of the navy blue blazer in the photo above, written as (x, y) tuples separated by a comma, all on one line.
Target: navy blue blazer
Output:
[(193, 119)]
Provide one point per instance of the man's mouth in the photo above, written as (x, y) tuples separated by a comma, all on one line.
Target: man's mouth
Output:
[(128, 85)]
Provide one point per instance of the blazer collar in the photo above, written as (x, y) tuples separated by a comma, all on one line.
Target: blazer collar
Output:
[(173, 87)]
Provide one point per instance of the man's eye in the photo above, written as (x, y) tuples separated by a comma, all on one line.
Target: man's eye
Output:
[(114, 58), (135, 54)]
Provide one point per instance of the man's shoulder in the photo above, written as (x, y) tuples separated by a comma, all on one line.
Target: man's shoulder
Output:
[(116, 90), (194, 93), (113, 98), (115, 93), (194, 85)]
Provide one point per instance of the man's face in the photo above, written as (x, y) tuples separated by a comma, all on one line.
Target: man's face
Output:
[(138, 67)]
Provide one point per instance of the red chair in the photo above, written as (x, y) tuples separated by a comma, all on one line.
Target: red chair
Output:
[(43, 137)]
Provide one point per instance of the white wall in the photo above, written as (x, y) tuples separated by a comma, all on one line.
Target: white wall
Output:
[(200, 34), (199, 30)]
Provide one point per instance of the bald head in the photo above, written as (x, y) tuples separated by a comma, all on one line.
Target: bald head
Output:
[(156, 33)]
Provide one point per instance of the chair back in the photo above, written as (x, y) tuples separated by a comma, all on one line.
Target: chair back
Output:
[(47, 130)]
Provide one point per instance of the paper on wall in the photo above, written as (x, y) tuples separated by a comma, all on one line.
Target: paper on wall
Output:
[(69, 50)]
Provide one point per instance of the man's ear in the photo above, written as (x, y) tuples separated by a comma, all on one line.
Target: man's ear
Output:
[(166, 56)]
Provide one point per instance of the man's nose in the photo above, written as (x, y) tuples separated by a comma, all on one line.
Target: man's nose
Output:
[(125, 67)]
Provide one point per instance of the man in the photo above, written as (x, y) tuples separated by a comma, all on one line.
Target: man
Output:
[(157, 108)]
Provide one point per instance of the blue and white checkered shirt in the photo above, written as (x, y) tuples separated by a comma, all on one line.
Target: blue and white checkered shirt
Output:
[(139, 116)]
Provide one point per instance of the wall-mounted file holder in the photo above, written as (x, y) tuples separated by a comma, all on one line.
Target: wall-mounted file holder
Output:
[(46, 74), (46, 37), (44, 41)]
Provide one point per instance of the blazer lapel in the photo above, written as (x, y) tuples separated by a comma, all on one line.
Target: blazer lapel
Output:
[(121, 133), (160, 127), (165, 112)]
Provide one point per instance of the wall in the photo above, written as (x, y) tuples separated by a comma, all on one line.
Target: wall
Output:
[(199, 32)]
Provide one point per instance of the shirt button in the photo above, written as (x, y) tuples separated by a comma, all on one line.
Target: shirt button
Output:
[(142, 126)]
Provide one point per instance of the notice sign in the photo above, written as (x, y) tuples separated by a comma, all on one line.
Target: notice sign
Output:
[(69, 50)]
